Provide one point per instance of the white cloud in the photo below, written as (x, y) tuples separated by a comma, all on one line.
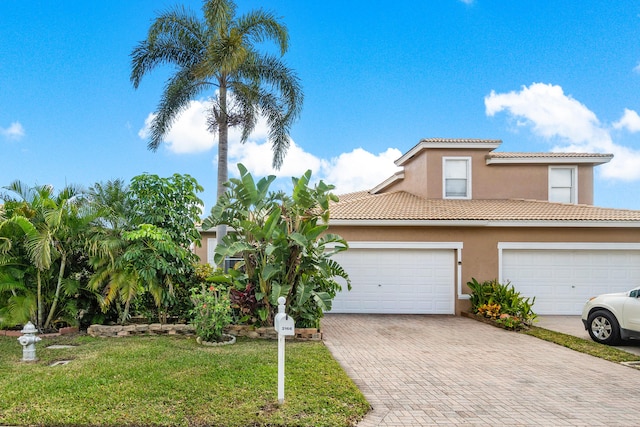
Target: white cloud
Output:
[(553, 115), (189, 133), (630, 121), (257, 157), (353, 171), (14, 132), (360, 169), (637, 68), (548, 110)]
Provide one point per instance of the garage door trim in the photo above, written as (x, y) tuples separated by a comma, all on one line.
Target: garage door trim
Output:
[(404, 245)]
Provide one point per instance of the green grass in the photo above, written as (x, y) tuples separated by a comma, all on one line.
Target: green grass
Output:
[(584, 346), (172, 381)]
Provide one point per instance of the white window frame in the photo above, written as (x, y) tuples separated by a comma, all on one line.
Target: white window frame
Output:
[(212, 242), (573, 190), (444, 177)]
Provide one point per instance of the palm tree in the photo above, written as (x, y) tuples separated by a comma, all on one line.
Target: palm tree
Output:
[(106, 246), (53, 227), (218, 55), (17, 299)]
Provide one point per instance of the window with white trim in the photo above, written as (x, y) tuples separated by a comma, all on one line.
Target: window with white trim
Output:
[(212, 242), (563, 185), (456, 181)]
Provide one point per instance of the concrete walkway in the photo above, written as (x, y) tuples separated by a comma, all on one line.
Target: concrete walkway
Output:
[(455, 371)]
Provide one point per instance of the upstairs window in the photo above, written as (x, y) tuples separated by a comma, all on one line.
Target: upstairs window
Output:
[(563, 184), (457, 177)]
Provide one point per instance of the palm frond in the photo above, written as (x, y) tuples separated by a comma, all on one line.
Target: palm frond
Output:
[(175, 37), (219, 15), (259, 26)]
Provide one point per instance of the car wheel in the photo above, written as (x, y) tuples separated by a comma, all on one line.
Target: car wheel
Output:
[(603, 327)]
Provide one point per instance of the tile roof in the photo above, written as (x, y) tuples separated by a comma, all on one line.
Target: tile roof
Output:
[(401, 206), (550, 158), (460, 141), (504, 155)]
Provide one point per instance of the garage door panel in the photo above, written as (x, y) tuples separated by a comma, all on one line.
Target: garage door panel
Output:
[(397, 281), (563, 280)]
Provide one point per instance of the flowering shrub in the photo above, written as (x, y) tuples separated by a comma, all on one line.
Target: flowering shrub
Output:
[(211, 312)]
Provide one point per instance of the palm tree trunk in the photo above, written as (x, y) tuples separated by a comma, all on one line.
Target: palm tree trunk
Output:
[(223, 150), (125, 314), (63, 263), (39, 280)]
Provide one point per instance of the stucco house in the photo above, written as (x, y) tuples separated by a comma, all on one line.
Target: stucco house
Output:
[(457, 210)]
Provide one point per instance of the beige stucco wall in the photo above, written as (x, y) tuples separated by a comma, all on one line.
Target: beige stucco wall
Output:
[(480, 244), (202, 250), (423, 177)]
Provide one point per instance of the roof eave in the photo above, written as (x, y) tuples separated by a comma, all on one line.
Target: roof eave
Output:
[(549, 160), (484, 223), (398, 176), (447, 143)]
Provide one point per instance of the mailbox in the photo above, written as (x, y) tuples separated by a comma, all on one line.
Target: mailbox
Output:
[(284, 325)]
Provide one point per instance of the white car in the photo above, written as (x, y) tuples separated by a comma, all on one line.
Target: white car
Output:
[(610, 318)]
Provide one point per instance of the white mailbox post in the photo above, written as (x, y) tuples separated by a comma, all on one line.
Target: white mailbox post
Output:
[(284, 325)]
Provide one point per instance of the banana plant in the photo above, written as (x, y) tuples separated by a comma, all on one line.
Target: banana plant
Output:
[(283, 243)]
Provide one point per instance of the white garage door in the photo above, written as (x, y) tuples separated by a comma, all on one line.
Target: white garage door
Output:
[(563, 280), (408, 281)]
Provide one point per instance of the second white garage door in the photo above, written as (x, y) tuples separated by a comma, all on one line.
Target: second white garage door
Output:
[(563, 280), (399, 281)]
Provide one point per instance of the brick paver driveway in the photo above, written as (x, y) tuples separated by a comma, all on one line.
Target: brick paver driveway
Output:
[(445, 370)]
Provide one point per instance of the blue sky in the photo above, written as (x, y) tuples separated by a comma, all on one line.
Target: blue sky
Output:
[(377, 77)]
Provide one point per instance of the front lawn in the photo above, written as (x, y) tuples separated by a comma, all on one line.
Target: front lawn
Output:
[(172, 381)]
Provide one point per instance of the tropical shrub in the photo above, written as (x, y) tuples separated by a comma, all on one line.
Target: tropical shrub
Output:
[(490, 310), (283, 245), (502, 303), (142, 247), (41, 254), (79, 257), (211, 312)]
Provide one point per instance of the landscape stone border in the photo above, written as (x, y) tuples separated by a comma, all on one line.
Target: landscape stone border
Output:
[(307, 334), (61, 331), (140, 329)]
